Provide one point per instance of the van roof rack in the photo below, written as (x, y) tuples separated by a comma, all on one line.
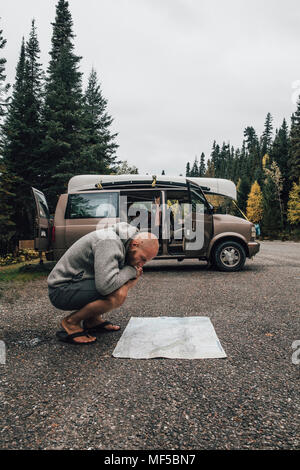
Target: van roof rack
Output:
[(139, 184), (97, 182)]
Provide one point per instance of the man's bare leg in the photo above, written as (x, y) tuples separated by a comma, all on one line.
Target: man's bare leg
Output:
[(98, 319), (94, 311)]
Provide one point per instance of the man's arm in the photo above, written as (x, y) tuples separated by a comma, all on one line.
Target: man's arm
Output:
[(108, 276)]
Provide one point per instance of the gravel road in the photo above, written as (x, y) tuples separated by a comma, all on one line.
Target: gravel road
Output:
[(58, 396)]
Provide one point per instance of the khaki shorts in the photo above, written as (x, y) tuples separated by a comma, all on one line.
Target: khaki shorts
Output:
[(74, 295)]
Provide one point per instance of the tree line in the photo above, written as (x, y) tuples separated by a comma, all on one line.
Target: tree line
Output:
[(51, 129), (266, 170)]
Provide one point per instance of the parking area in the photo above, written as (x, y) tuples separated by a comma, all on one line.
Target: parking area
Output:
[(59, 396)]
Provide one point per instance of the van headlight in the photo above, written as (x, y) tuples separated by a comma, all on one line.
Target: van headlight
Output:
[(253, 232)]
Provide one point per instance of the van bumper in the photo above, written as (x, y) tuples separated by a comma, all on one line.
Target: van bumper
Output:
[(253, 248)]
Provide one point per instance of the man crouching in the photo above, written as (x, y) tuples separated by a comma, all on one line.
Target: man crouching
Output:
[(93, 277)]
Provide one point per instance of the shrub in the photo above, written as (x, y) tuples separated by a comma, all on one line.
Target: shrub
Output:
[(19, 257)]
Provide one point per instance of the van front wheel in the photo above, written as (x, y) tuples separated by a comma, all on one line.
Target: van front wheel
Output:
[(229, 256)]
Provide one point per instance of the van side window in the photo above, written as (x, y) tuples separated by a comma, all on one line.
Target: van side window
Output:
[(197, 198), (92, 205), (177, 202)]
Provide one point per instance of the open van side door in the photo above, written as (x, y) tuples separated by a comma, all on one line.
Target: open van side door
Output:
[(42, 222), (204, 219)]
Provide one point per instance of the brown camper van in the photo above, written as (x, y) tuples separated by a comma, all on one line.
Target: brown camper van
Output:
[(97, 201)]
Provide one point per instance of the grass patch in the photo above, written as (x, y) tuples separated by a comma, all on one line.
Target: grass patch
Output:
[(27, 271)]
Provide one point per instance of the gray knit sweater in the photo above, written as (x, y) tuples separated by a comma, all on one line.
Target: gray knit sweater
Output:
[(99, 255)]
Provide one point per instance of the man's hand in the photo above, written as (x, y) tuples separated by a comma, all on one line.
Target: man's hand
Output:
[(132, 282), (139, 271)]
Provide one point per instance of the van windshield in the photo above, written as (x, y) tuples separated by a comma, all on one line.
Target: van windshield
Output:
[(223, 204), (93, 205)]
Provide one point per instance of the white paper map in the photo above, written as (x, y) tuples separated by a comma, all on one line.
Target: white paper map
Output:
[(170, 337)]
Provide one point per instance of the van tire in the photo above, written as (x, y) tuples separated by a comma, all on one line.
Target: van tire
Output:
[(229, 256)]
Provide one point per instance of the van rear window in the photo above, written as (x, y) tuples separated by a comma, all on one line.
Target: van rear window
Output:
[(43, 208), (92, 205)]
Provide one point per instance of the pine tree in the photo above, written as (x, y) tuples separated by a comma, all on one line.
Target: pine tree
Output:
[(15, 155), (254, 204), (251, 155), (8, 183), (294, 151), (225, 161), (188, 169), (271, 221), (195, 170), (63, 110), (280, 154), (3, 87), (280, 149), (202, 168), (22, 126), (243, 189), (215, 159), (7, 225), (210, 171), (229, 169), (221, 164), (243, 166), (266, 139), (235, 165), (294, 205), (13, 129), (97, 155), (22, 133), (34, 77)]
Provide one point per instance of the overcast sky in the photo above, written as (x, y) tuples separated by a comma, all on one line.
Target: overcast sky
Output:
[(178, 74)]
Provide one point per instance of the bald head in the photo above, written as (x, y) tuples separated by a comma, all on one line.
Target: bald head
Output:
[(148, 242), (143, 248)]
